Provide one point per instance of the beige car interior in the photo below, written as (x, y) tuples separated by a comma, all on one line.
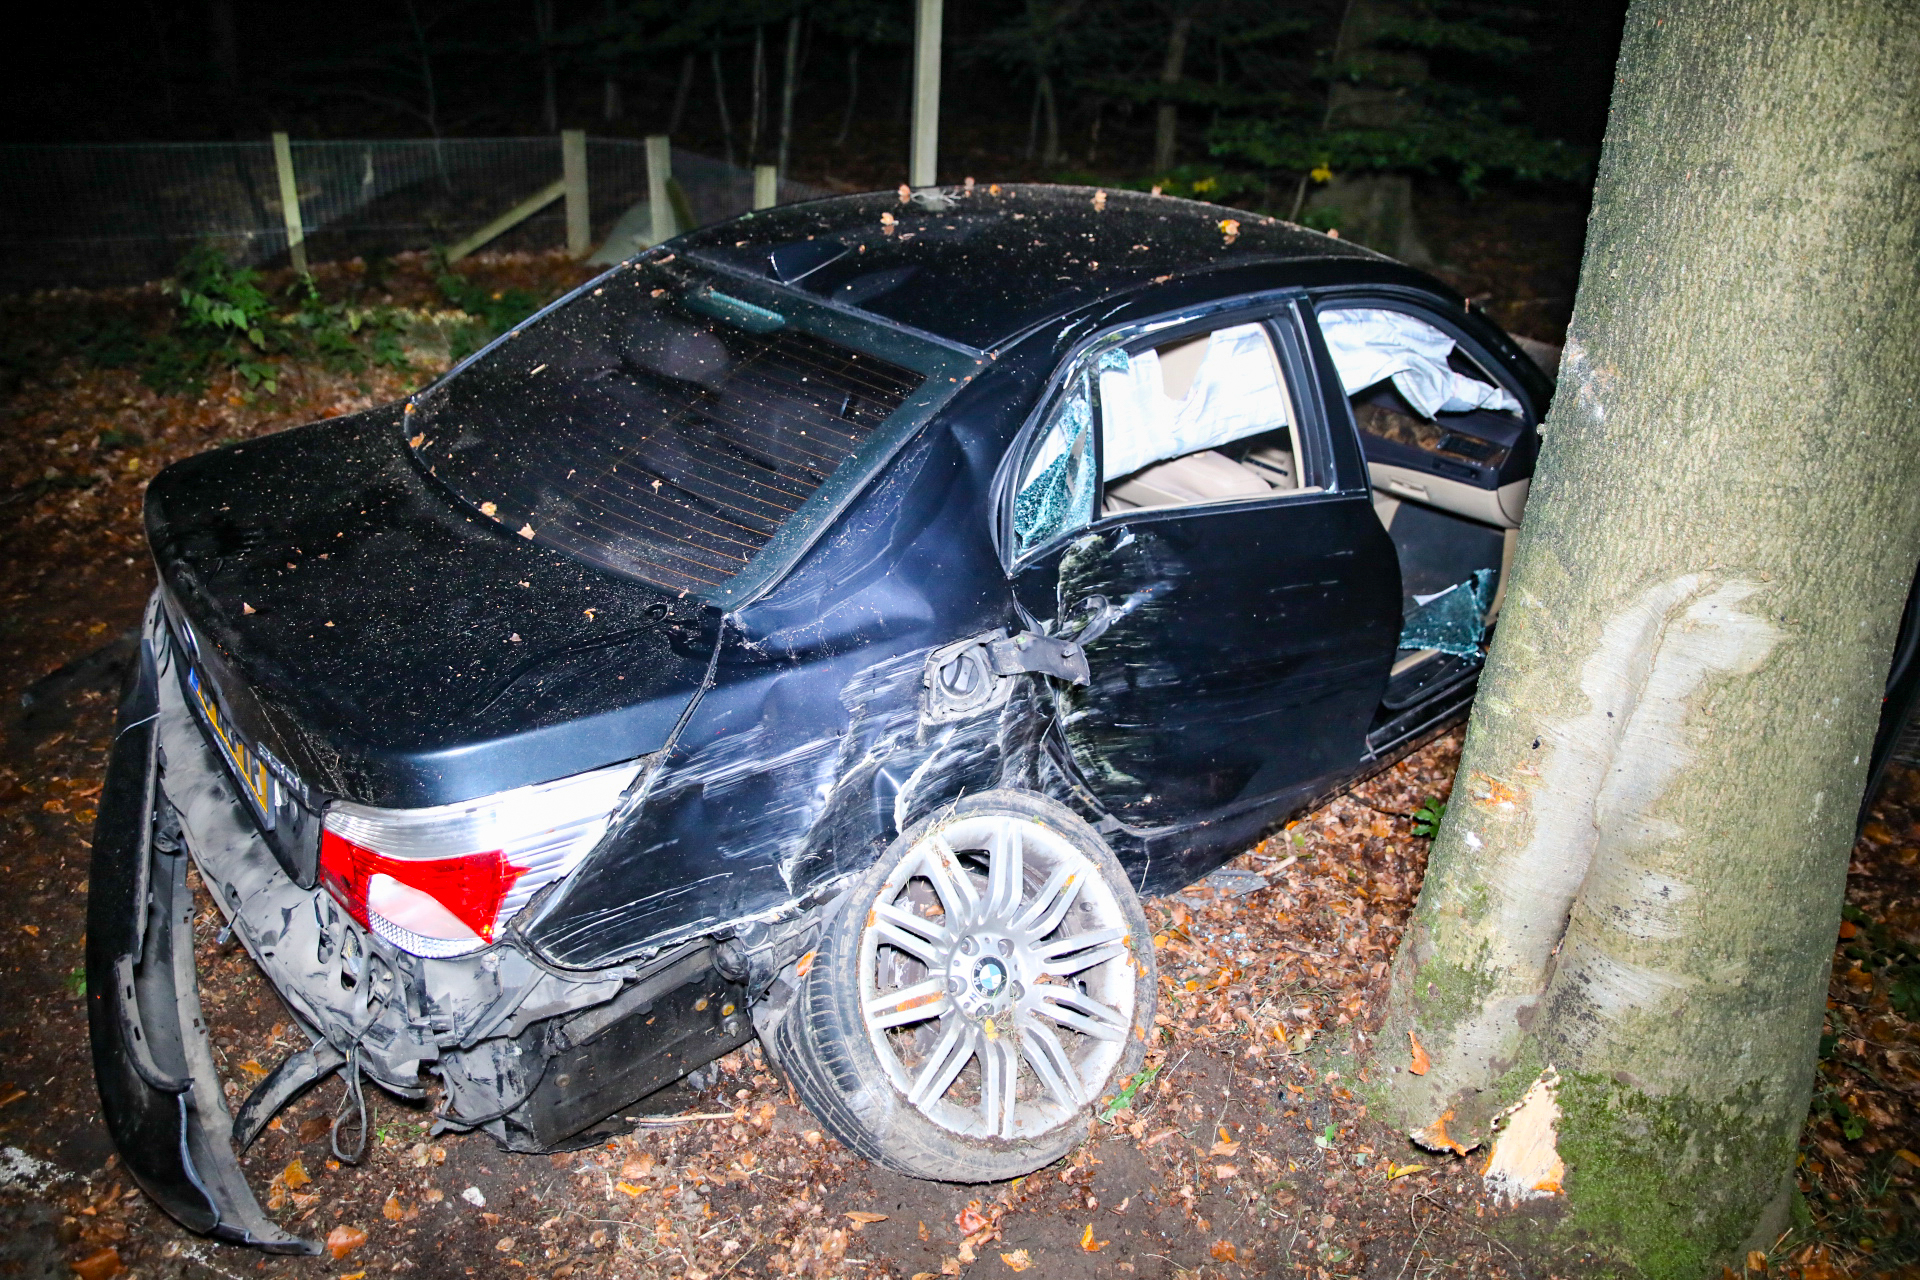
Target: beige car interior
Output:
[(1264, 463)]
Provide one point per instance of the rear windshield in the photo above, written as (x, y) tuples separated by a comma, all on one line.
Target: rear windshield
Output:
[(656, 426)]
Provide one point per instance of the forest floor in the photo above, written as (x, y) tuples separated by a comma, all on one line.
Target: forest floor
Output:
[(1250, 1153)]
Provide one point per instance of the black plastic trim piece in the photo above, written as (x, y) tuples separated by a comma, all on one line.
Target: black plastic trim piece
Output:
[(152, 1061)]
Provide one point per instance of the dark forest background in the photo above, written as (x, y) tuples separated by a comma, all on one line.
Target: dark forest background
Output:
[(1265, 105)]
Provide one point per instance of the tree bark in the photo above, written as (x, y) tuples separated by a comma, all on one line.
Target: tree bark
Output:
[(1374, 209), (789, 81), (549, 87), (720, 104), (680, 95), (759, 92), (1166, 132), (853, 93), (1638, 882)]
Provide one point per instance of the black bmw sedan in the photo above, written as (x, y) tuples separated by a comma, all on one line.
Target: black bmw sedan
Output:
[(823, 627)]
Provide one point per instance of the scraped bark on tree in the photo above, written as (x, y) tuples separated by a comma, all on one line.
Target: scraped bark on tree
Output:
[(1630, 907)]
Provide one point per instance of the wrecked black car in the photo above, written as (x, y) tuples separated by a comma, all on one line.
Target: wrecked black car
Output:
[(824, 627)]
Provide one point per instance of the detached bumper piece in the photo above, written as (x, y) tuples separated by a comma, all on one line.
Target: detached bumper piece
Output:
[(151, 1056)]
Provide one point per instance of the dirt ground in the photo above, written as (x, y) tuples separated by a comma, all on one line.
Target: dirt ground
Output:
[(1250, 1152)]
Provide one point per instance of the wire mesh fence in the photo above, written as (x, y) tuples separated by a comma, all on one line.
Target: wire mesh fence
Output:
[(95, 216)]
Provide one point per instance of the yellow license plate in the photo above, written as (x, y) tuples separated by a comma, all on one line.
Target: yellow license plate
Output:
[(255, 779)]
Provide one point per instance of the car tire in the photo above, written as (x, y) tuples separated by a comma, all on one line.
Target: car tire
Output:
[(975, 993)]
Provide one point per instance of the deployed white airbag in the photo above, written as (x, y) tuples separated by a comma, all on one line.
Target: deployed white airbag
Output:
[(1236, 393), (1370, 345)]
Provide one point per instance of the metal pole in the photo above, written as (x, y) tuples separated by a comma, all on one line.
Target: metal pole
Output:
[(659, 170), (573, 172), (290, 202), (766, 186), (923, 167)]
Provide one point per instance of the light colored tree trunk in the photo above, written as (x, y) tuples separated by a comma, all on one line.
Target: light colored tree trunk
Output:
[(1166, 132), (1638, 882)]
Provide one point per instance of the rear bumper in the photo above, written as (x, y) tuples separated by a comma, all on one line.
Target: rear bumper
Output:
[(531, 1055), (152, 1061)]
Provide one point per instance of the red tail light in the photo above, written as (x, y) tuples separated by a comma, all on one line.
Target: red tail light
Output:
[(443, 881), (454, 899)]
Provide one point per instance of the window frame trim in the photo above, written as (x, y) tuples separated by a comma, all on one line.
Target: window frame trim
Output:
[(1284, 313)]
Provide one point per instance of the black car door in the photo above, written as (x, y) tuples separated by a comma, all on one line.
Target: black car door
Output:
[(1182, 510)]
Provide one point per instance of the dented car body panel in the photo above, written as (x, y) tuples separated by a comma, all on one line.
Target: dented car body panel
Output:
[(799, 650)]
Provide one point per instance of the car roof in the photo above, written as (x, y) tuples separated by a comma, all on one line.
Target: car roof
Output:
[(979, 265)]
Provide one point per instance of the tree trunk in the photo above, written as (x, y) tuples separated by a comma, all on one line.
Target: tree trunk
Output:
[(1049, 123), (759, 92), (612, 106), (720, 103), (853, 93), (789, 80), (1166, 132), (1638, 882), (1374, 209), (680, 94), (549, 87)]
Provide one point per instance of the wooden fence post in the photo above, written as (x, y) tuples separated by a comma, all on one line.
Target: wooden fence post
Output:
[(923, 162), (659, 199), (573, 172), (766, 186), (290, 202)]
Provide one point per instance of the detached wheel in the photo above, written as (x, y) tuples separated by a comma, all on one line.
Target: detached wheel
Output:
[(975, 993)]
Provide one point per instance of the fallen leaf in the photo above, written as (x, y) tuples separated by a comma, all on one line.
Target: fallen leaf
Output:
[(1757, 1260), (473, 1197), (1402, 1170), (1017, 1260), (99, 1265), (1908, 1156), (1088, 1243), (1421, 1063), (638, 1166), (1223, 1251), (295, 1175), (343, 1240), (1230, 228), (861, 1217), (1847, 929), (526, 531), (505, 1245), (393, 1210), (1226, 1146), (970, 1219), (488, 509), (247, 608), (1099, 202), (1225, 1171), (254, 1069), (10, 1093), (629, 1188)]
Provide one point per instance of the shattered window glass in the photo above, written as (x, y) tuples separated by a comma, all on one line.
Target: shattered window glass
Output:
[(1451, 621), (1057, 485), (657, 426)]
